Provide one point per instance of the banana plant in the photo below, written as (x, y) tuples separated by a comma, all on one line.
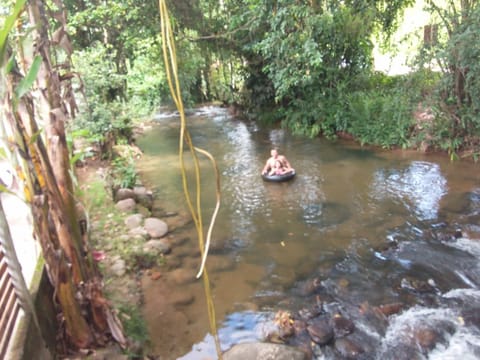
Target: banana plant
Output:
[(33, 92)]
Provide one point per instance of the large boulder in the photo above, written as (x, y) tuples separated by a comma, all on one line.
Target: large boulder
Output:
[(263, 351)]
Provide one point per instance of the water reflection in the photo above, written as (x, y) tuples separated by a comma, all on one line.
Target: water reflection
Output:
[(419, 187)]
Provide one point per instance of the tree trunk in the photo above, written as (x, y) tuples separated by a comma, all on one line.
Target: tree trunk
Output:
[(86, 318)]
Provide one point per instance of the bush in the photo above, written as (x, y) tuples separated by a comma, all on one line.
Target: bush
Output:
[(123, 173)]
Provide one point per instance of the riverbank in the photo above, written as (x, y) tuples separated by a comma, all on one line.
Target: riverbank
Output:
[(131, 235)]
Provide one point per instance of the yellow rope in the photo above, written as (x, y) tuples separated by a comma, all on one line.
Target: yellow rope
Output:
[(170, 59)]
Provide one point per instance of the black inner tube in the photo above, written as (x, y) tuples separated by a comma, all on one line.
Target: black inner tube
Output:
[(279, 178)]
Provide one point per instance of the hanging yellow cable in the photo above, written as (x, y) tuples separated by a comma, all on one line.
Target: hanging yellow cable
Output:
[(171, 69)]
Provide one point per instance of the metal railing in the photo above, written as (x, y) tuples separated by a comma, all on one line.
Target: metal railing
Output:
[(9, 305)]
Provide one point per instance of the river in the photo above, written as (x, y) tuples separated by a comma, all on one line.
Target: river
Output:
[(355, 230)]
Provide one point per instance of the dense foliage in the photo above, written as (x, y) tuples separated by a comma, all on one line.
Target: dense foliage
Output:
[(307, 64), (456, 51)]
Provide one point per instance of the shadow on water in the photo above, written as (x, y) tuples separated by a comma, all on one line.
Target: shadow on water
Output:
[(383, 243)]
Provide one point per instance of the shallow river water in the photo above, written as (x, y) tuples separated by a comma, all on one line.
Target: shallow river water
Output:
[(354, 230)]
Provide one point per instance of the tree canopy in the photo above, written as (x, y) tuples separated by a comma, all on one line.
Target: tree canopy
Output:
[(307, 64)]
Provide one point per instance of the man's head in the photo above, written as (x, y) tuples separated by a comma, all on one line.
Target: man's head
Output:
[(274, 153)]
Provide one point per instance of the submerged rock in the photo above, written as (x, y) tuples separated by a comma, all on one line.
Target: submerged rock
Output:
[(417, 285), (310, 287), (389, 309), (342, 326)]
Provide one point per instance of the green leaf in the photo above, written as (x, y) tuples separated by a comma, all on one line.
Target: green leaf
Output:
[(7, 27), (28, 80), (10, 64)]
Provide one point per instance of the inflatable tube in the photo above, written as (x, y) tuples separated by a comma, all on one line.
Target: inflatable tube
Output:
[(279, 178)]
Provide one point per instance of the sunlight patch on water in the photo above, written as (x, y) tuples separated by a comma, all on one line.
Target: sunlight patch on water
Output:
[(238, 327), (420, 186)]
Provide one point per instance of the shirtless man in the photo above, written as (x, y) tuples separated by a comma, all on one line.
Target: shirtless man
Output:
[(270, 165)]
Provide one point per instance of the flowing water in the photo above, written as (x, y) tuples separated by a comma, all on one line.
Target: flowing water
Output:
[(355, 229)]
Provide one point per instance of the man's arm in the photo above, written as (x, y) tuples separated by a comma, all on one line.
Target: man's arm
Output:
[(266, 167), (286, 164)]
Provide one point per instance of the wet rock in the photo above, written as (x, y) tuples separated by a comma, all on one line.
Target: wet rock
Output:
[(217, 263), (342, 326), (217, 246), (143, 196), (179, 221), (458, 234), (144, 211), (348, 348), (172, 262), (311, 287), (303, 342), (471, 317), (127, 205), (183, 276), (401, 352), (156, 228), (320, 330), (389, 309), (311, 312), (179, 241), (417, 285), (124, 193), (133, 221), (299, 326), (187, 252), (263, 351), (286, 332), (373, 316)]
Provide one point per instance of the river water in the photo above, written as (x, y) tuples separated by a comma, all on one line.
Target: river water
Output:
[(356, 229)]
